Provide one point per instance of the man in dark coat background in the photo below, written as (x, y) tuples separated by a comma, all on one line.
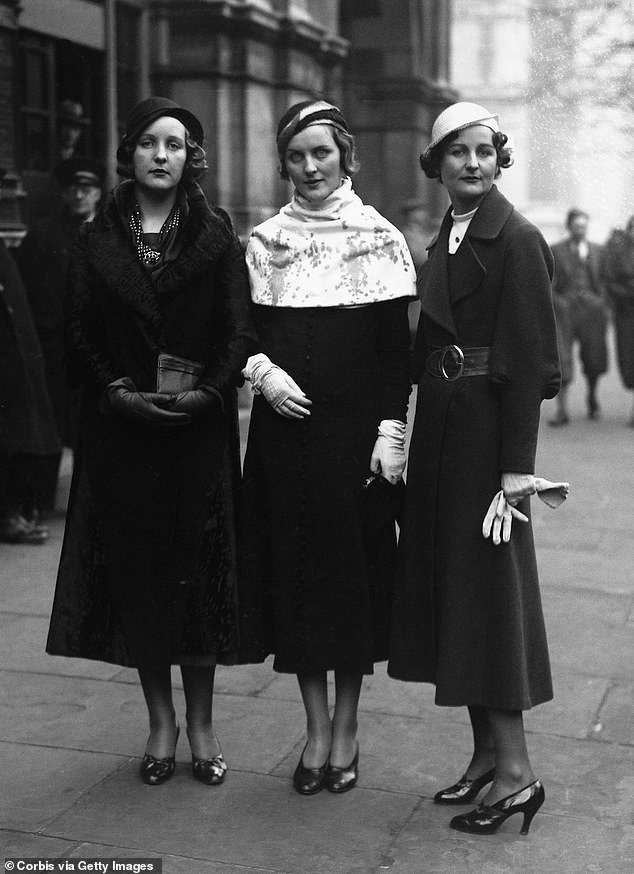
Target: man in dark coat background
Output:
[(43, 261), (27, 428), (581, 312)]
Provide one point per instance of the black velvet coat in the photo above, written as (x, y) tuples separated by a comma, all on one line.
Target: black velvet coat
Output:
[(147, 571), (467, 614)]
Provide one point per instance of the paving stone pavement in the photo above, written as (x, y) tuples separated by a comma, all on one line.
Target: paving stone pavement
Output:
[(72, 732)]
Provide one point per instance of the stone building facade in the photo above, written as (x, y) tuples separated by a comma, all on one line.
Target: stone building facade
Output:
[(71, 69)]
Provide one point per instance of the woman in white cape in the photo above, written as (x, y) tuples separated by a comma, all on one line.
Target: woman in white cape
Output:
[(330, 285)]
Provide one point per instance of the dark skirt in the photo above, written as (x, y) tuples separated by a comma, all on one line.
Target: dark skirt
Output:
[(318, 548)]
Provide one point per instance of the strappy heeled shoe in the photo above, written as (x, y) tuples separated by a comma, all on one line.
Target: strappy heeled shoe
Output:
[(211, 771), (155, 771), (309, 781), (464, 791), (343, 779), (485, 820)]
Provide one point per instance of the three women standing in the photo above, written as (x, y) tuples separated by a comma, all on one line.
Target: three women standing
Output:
[(467, 611), (330, 284), (157, 332)]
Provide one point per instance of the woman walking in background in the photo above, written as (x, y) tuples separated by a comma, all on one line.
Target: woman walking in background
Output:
[(467, 610), (157, 332), (330, 284)]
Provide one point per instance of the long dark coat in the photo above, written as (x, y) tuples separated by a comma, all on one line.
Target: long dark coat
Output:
[(147, 571), (318, 549), (581, 315), (618, 266), (26, 418), (43, 260), (467, 614)]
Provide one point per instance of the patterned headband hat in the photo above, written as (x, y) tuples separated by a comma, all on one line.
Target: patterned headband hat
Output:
[(457, 117), (303, 115)]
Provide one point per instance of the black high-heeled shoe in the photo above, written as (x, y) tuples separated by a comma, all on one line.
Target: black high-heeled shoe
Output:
[(212, 771), (485, 820), (309, 781), (343, 779), (464, 791), (155, 771)]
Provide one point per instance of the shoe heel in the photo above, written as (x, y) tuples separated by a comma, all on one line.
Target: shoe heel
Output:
[(530, 811)]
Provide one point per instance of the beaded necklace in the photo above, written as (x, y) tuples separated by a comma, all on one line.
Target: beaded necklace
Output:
[(147, 254)]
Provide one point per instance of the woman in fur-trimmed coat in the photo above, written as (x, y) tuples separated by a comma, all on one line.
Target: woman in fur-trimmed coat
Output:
[(147, 571)]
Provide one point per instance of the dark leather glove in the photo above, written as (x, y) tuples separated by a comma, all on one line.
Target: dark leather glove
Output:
[(196, 402), (124, 399)]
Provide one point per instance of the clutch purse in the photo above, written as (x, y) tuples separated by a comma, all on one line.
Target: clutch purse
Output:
[(174, 374), (381, 502)]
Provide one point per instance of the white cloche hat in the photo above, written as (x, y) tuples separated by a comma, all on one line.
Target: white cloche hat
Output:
[(457, 117)]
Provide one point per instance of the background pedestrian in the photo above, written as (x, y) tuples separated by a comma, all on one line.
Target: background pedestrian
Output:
[(580, 308), (618, 267), (43, 258)]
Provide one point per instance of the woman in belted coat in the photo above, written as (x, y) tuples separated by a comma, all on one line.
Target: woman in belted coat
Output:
[(157, 331), (467, 612)]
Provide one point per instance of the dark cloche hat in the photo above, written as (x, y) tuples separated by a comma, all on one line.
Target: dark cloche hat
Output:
[(302, 115), (147, 111), (78, 171)]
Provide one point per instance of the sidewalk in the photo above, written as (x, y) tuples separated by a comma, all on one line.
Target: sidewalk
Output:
[(72, 732)]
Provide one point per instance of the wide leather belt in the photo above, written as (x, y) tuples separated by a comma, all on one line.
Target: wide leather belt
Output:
[(451, 362)]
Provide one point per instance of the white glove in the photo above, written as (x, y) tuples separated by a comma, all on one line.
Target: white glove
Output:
[(388, 456), (499, 517), (279, 389)]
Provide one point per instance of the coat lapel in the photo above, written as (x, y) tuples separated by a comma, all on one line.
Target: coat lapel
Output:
[(486, 225), (434, 284)]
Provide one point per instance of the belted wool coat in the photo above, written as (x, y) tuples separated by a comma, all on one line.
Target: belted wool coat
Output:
[(467, 614), (147, 570)]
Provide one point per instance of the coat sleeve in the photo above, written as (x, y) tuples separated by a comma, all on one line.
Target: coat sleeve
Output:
[(86, 355), (236, 339), (524, 362), (393, 351)]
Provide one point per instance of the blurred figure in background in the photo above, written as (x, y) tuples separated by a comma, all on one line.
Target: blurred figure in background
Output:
[(580, 309), (43, 261), (618, 267), (27, 428)]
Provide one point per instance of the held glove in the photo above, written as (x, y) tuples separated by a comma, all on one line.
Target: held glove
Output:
[(195, 402), (499, 517), (279, 389), (124, 399), (388, 456)]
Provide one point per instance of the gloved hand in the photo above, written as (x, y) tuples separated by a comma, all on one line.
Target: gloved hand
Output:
[(124, 399), (517, 486), (194, 402), (499, 519), (279, 389), (388, 456)]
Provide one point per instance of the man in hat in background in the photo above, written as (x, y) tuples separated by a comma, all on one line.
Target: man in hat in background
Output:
[(43, 261)]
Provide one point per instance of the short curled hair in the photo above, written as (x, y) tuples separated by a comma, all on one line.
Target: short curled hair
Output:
[(195, 164), (430, 161), (346, 144)]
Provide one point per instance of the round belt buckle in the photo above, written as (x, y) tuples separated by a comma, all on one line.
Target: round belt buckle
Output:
[(457, 360)]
